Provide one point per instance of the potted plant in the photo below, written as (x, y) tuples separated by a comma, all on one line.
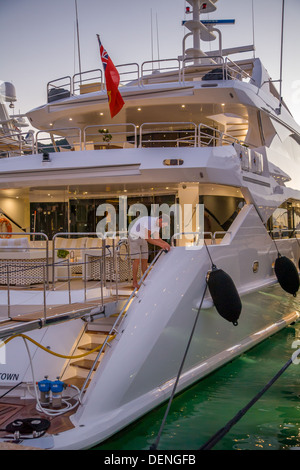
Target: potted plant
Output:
[(106, 136), (62, 253)]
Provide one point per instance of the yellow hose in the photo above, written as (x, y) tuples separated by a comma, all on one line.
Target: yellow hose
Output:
[(53, 353)]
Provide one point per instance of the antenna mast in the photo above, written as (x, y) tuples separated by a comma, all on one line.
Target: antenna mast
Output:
[(281, 57), (78, 44)]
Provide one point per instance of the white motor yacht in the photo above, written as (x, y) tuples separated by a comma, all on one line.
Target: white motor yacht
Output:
[(201, 137)]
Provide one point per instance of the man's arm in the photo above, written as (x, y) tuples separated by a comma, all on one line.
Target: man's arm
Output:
[(158, 242)]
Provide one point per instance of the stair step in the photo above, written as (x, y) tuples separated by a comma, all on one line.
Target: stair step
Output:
[(77, 381), (90, 346), (101, 329), (84, 364)]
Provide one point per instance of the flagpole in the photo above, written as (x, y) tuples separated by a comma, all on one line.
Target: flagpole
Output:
[(78, 43)]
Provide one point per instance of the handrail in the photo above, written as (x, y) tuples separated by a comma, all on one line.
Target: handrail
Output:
[(53, 132), (169, 130), (45, 277), (193, 134), (113, 329), (243, 73), (221, 232), (19, 140), (195, 234), (74, 82), (106, 126), (200, 236), (62, 234), (68, 83), (208, 61), (11, 270), (137, 71), (157, 73), (281, 231), (206, 67), (219, 137)]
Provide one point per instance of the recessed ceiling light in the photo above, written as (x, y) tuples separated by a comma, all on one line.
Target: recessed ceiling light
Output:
[(139, 109), (183, 105)]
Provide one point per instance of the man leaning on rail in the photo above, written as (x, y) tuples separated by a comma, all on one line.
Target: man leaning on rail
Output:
[(145, 230)]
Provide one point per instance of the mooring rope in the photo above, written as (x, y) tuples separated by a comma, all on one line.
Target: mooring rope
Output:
[(223, 431), (155, 444)]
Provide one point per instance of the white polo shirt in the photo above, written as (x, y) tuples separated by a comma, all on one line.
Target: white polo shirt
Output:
[(142, 225)]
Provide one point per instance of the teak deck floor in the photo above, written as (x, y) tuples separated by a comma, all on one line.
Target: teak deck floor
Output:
[(13, 408)]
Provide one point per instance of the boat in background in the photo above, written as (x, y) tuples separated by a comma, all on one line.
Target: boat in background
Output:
[(201, 137)]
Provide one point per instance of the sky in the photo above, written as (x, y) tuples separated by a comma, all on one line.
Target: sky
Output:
[(39, 44)]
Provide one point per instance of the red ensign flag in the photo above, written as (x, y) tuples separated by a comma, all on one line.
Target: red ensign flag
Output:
[(112, 79)]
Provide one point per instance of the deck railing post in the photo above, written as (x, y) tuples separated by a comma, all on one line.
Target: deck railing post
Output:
[(69, 282), (44, 293), (8, 291), (101, 278)]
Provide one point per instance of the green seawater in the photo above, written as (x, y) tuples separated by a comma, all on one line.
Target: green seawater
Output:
[(200, 411)]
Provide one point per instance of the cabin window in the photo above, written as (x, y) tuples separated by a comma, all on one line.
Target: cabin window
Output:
[(285, 219), (220, 211), (48, 218)]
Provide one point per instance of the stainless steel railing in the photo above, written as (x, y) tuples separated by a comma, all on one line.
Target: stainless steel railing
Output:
[(15, 265), (48, 142), (168, 133), (17, 143), (87, 82), (150, 71), (110, 135), (19, 266), (125, 135), (194, 239)]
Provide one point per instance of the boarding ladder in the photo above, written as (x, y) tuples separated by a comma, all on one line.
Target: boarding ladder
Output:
[(98, 334)]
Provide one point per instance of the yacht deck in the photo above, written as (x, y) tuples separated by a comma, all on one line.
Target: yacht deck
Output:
[(63, 311)]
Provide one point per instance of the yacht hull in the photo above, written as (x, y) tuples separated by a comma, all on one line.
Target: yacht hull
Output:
[(138, 372)]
